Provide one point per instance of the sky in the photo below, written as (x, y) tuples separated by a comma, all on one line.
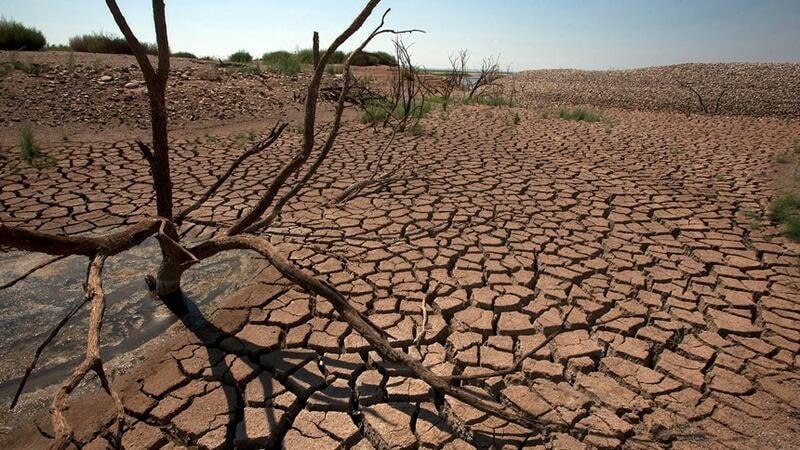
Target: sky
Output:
[(525, 34)]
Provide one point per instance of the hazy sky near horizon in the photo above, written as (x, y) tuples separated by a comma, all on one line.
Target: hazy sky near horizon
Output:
[(527, 34)]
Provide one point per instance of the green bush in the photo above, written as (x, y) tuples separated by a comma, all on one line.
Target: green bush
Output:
[(306, 56), (579, 114), (57, 48), (184, 55), (334, 69), (106, 43), (338, 57), (374, 59), (276, 57), (374, 113), (378, 111), (247, 69), (16, 36), (241, 56), (28, 150), (785, 210), (281, 62)]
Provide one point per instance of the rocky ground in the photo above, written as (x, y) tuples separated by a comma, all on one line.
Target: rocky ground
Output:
[(742, 89), (640, 246)]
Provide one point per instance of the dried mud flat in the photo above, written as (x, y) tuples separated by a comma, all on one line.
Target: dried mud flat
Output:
[(677, 321)]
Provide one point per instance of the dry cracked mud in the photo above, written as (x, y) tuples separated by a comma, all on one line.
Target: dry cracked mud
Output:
[(676, 322)]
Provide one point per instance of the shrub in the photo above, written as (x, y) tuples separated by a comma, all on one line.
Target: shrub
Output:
[(785, 210), (338, 57), (516, 118), (579, 114), (57, 48), (241, 56), (374, 59), (16, 36), (106, 43), (184, 55), (28, 150), (782, 158), (797, 147), (374, 113), (378, 111), (248, 69), (306, 56), (281, 62), (334, 69), (416, 130), (276, 57)]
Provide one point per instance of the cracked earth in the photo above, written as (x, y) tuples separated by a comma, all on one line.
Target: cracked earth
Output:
[(672, 321)]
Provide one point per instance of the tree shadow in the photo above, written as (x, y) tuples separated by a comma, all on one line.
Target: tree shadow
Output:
[(219, 344)]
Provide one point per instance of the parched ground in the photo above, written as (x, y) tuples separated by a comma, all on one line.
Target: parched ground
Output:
[(642, 248)]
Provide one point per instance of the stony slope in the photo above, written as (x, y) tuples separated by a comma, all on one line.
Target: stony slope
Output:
[(750, 89)]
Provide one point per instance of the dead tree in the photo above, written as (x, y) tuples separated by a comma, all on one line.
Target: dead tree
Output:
[(453, 79), (488, 75), (406, 101), (457, 74), (701, 101), (178, 256)]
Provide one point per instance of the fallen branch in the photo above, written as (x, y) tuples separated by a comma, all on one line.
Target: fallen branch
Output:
[(361, 325), (91, 362), (257, 148), (54, 244), (353, 190)]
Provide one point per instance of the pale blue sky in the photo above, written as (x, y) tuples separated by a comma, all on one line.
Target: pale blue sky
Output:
[(588, 34)]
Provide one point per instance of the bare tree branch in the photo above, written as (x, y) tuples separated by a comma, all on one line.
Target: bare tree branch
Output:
[(697, 94), (91, 362), (136, 47), (489, 74), (332, 135), (156, 82), (315, 48), (360, 324), (719, 97), (53, 244), (255, 149), (308, 126)]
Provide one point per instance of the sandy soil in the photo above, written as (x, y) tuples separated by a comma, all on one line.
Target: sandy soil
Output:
[(640, 243)]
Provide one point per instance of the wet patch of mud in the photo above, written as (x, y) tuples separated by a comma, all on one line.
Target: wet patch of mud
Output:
[(32, 307)]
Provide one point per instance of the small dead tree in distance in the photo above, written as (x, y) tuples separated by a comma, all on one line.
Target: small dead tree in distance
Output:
[(455, 77), (707, 109), (488, 75), (178, 256), (404, 105), (450, 80)]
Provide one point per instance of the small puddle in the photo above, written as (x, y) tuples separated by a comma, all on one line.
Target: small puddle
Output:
[(32, 307)]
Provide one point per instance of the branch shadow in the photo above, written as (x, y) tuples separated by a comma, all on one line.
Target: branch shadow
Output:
[(259, 430)]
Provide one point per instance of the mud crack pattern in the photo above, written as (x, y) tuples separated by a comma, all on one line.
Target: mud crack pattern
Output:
[(676, 323)]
